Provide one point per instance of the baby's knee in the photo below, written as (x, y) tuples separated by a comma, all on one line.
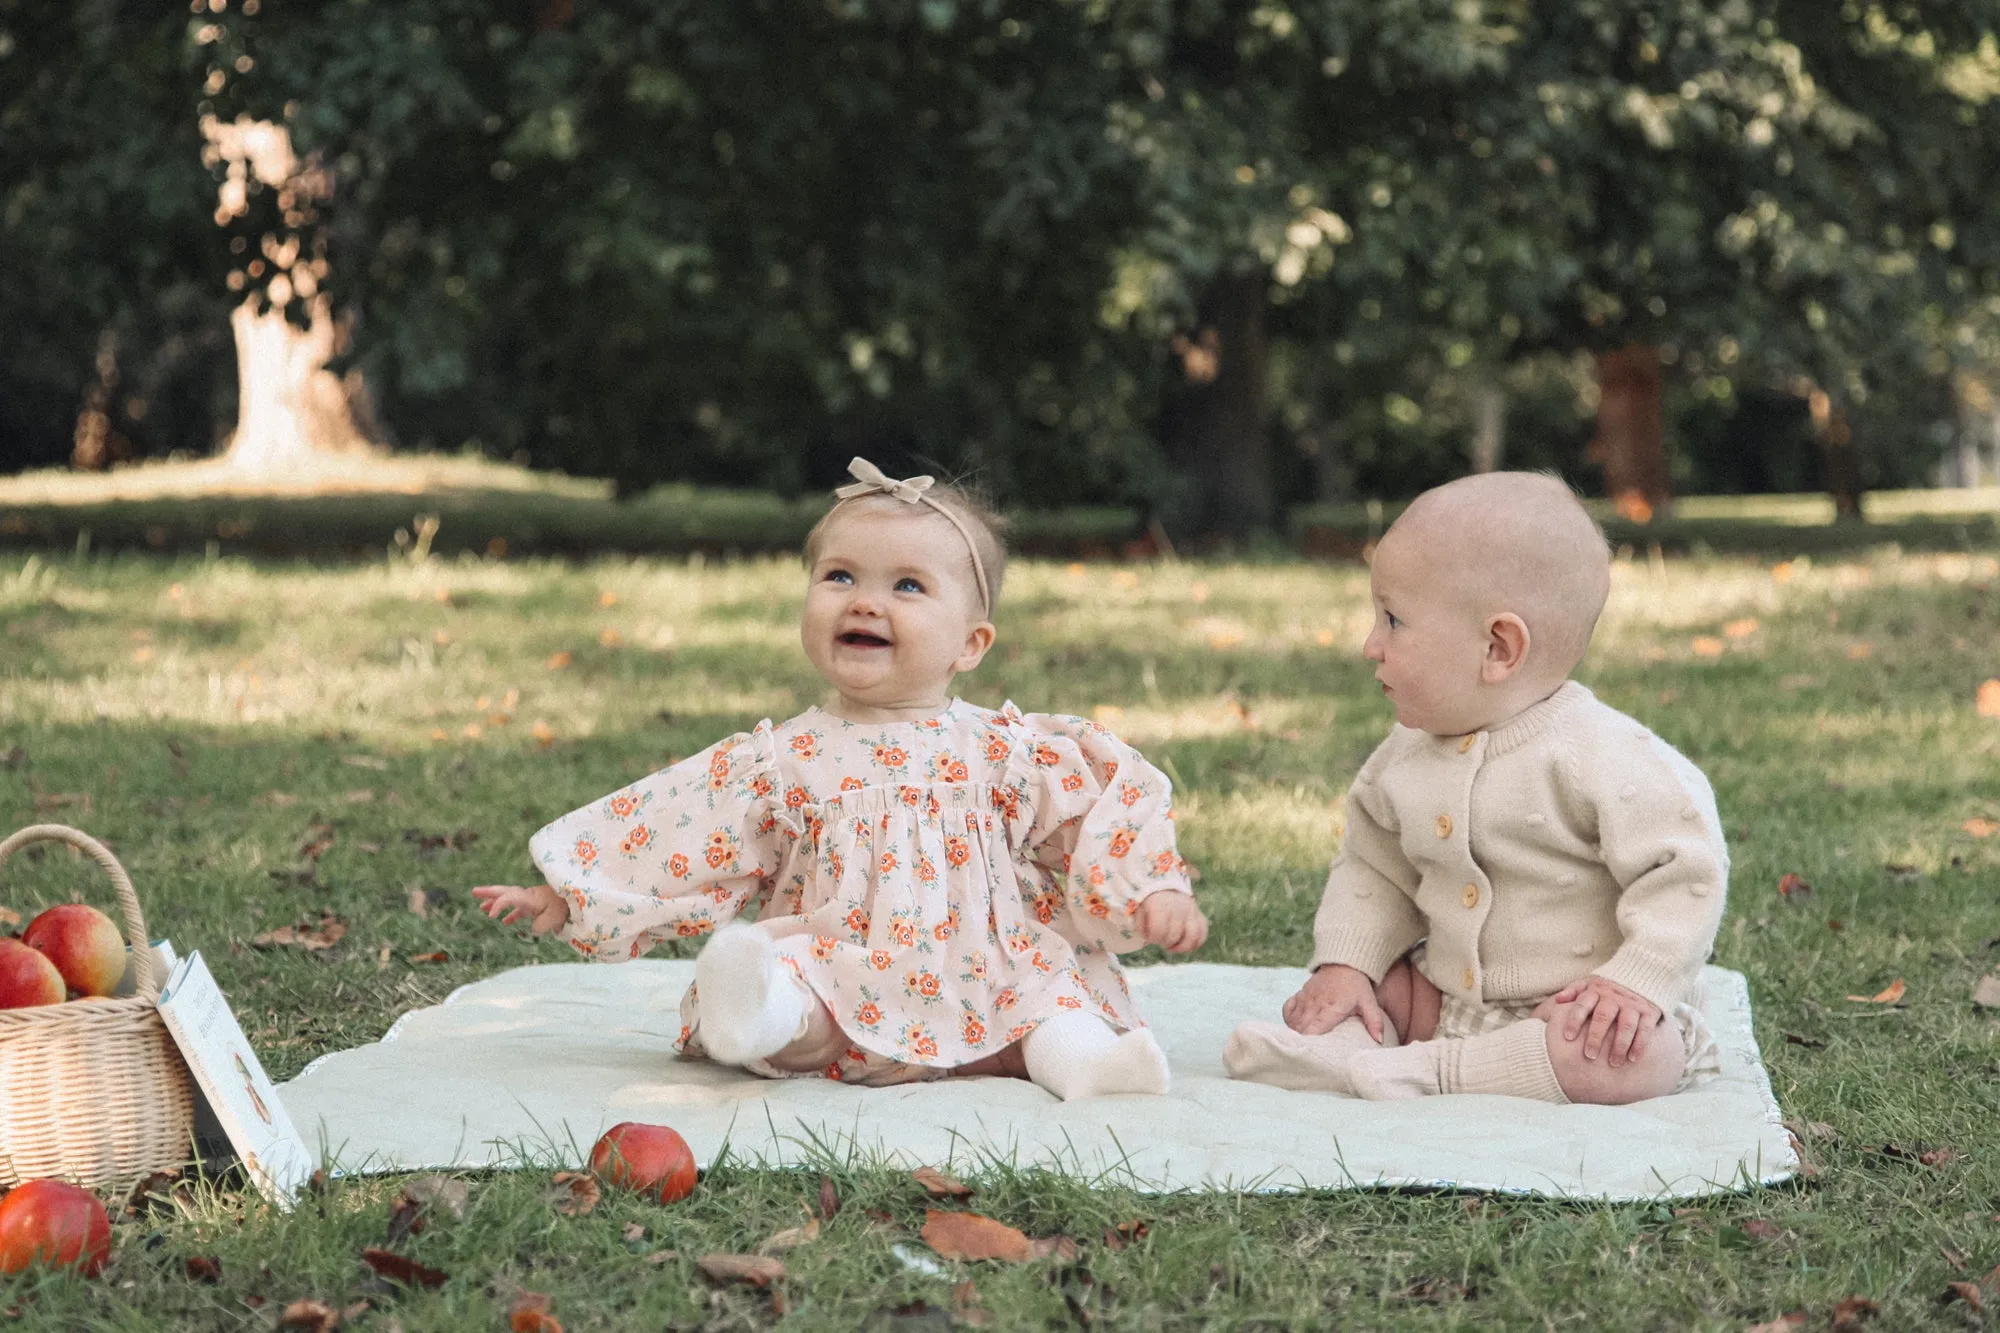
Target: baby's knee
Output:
[(1653, 1072)]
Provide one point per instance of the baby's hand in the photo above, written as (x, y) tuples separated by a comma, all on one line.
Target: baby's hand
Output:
[(543, 907), (1172, 921), (1332, 995), (1620, 1020)]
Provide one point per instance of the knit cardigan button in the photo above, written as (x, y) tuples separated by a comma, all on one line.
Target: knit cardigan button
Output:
[(1471, 895), (1444, 826), (1468, 742), (1467, 978)]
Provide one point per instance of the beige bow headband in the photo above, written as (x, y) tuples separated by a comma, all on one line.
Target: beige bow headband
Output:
[(871, 480)]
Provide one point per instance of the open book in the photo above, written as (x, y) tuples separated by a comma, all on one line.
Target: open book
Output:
[(233, 1082)]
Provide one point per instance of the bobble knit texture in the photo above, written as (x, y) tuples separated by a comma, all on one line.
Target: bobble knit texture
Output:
[(1569, 841)]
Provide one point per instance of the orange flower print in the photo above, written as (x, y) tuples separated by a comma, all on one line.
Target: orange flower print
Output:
[(719, 894), (1045, 755), (851, 783), (956, 851), (857, 921), (996, 748), (888, 862), (822, 946), (926, 870), (1163, 864), (1019, 940), (718, 770), (806, 744), (1121, 843), (687, 930), (949, 768), (975, 965), (910, 795), (882, 960), (903, 930), (1069, 1002), (868, 1015), (796, 796), (832, 1072), (760, 785), (834, 863), (1072, 782), (1096, 877), (1006, 999), (891, 756), (932, 806), (1129, 794), (1014, 1034), (974, 1031), (925, 984), (623, 804), (1045, 907), (920, 1042), (636, 840), (1040, 963), (721, 850), (586, 852), (946, 928), (1096, 905), (1008, 802)]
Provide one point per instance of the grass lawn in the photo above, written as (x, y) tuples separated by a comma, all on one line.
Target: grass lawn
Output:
[(408, 723)]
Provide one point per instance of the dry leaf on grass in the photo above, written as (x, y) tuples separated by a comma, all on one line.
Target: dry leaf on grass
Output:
[(1741, 629), (574, 1193), (970, 1236), (204, 1268), (829, 1198), (1969, 1292), (435, 956), (400, 1268), (1793, 889), (791, 1238), (530, 1313), (1938, 1156), (1986, 994), (1810, 1043), (939, 1185), (1860, 652), (1125, 1234), (329, 932), (1987, 701), (1890, 994), (1980, 827), (634, 1232), (318, 839), (658, 1257), (756, 1269), (558, 661), (1853, 1312), (1706, 646), (311, 1316)]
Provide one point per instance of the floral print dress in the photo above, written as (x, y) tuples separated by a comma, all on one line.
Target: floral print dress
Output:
[(942, 886)]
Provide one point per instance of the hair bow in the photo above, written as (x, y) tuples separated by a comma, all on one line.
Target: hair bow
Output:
[(871, 480)]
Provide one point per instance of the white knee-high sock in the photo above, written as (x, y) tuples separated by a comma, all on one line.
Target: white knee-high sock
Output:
[(1512, 1061), (751, 1004), (1076, 1055)]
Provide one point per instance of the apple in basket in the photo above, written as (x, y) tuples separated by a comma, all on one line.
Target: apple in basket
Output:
[(651, 1159), (83, 943), (26, 977), (52, 1222)]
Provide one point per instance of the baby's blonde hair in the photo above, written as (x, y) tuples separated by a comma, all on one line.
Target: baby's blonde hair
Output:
[(1522, 542), (984, 526)]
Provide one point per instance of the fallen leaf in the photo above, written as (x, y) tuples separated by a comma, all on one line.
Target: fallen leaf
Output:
[(420, 902), (406, 1218), (399, 1268), (1793, 889), (329, 932), (610, 638), (574, 1193), (1968, 1292), (318, 839), (791, 1238), (607, 598), (829, 1198), (1810, 1043), (1980, 827), (1987, 701), (756, 1269), (1053, 1247), (1938, 1156), (204, 1268), (1987, 993), (1853, 1312), (658, 1257), (1890, 994), (970, 1236), (313, 1316), (1784, 1323), (1435, 1291), (561, 660), (939, 1185), (530, 1313), (634, 1232), (544, 734), (1705, 646), (1125, 1234), (152, 1191), (1741, 629), (1758, 1229), (434, 956)]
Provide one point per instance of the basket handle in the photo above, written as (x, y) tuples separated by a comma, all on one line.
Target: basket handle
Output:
[(128, 900)]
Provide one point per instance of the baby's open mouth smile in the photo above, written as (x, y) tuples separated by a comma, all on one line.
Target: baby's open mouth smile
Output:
[(861, 638)]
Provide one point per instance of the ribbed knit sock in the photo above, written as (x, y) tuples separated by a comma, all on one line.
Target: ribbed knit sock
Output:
[(752, 1005), (1272, 1053), (1076, 1055), (1512, 1062)]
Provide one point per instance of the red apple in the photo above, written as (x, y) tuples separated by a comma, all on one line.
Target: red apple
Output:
[(649, 1158), (50, 1222), (27, 978), (83, 943)]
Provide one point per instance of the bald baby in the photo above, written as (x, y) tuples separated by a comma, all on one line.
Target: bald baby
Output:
[(1519, 542)]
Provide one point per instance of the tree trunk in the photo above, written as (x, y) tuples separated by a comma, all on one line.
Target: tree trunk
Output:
[(1631, 437), (1213, 421), (1489, 426), (1840, 461)]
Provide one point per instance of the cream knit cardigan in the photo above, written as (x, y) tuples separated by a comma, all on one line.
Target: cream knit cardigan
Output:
[(1570, 840)]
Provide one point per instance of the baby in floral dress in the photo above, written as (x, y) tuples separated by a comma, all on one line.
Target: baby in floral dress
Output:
[(936, 887)]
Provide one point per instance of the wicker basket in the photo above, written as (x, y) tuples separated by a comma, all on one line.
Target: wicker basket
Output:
[(93, 1091)]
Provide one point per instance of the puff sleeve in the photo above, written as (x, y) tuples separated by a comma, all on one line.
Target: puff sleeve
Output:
[(1098, 819), (675, 854), (1368, 915)]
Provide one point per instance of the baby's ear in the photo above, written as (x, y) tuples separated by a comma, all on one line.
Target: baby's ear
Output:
[(977, 641), (1507, 642)]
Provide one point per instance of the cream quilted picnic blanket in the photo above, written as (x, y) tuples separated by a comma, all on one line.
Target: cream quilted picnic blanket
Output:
[(531, 1065)]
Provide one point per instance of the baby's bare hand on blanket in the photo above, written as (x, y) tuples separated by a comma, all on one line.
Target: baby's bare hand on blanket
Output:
[(1620, 1021), (542, 907), (1331, 996), (1172, 921)]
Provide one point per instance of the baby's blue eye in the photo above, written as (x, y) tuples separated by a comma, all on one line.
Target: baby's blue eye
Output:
[(908, 585), (1393, 622), (839, 576)]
